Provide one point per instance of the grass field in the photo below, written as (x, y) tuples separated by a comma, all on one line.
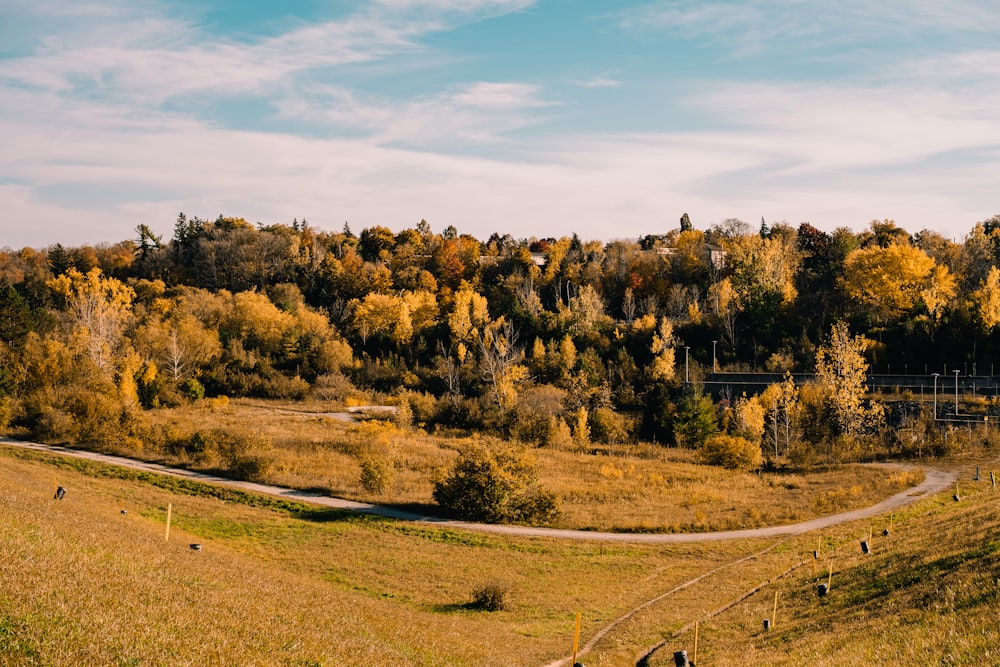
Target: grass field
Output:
[(285, 584), (630, 488)]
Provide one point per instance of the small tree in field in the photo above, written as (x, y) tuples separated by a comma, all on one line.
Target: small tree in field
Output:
[(841, 371), (496, 483)]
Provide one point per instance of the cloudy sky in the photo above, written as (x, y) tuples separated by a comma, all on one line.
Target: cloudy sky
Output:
[(534, 118)]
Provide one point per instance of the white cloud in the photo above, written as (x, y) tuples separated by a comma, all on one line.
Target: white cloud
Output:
[(796, 25), (599, 82), (477, 113)]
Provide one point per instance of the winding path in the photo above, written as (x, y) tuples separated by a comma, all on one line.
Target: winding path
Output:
[(934, 481)]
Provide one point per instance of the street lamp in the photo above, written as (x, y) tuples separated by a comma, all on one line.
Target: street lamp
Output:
[(956, 393), (686, 378), (935, 395), (715, 368)]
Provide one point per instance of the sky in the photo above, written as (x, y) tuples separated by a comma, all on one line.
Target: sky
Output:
[(534, 118)]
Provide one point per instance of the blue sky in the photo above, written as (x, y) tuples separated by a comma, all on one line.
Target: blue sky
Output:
[(535, 118)]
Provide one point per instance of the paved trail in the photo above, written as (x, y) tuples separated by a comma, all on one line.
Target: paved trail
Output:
[(934, 481)]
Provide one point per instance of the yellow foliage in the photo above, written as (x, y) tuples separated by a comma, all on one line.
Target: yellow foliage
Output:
[(892, 280)]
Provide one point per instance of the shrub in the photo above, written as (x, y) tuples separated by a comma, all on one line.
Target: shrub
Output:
[(5, 412), (731, 451), (496, 483), (378, 471), (609, 427), (492, 596), (333, 387), (193, 389), (246, 455)]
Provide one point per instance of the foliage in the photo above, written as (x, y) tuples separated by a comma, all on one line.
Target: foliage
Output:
[(841, 371), (497, 483), (378, 470), (695, 420), (732, 452)]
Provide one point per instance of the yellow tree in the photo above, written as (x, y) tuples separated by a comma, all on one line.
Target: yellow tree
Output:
[(469, 313), (987, 300), (841, 371), (382, 315), (889, 281), (500, 362), (97, 309), (662, 347)]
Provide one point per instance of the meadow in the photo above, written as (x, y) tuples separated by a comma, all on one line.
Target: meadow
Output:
[(281, 583), (627, 488)]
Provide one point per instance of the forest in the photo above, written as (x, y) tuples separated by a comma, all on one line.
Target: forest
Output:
[(535, 340)]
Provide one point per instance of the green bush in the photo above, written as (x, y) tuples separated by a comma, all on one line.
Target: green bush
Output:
[(497, 483), (193, 389), (731, 451)]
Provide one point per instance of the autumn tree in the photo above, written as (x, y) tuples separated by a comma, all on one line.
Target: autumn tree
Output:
[(841, 371), (889, 281), (662, 347), (500, 357), (97, 309), (987, 300)]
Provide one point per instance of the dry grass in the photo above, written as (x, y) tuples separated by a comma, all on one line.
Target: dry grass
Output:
[(926, 595), (627, 488), (284, 584)]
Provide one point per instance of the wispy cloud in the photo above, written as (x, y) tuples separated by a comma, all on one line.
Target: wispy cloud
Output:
[(480, 112), (599, 82), (796, 25)]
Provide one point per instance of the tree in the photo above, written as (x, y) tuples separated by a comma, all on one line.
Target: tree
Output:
[(382, 315), (662, 368), (889, 280), (500, 357), (97, 309), (841, 371), (496, 483), (695, 420), (987, 300)]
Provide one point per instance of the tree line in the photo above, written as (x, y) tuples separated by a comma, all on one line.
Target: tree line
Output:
[(544, 340)]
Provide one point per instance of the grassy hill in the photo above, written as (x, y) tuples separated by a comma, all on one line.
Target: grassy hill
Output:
[(287, 584)]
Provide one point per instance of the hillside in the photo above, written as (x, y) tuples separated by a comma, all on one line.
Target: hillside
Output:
[(282, 583)]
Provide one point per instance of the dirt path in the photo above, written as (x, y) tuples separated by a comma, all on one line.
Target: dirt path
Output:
[(934, 481)]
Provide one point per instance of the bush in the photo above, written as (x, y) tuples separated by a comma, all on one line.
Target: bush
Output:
[(493, 596), (246, 455), (732, 452), (193, 389), (6, 411), (495, 483), (609, 427), (378, 471)]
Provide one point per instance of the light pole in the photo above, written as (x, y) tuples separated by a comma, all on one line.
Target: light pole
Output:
[(956, 393), (935, 395), (687, 379), (715, 368)]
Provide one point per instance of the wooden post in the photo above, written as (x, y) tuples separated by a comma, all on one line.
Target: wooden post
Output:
[(829, 579), (774, 609), (993, 479), (170, 509), (576, 638), (696, 642)]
